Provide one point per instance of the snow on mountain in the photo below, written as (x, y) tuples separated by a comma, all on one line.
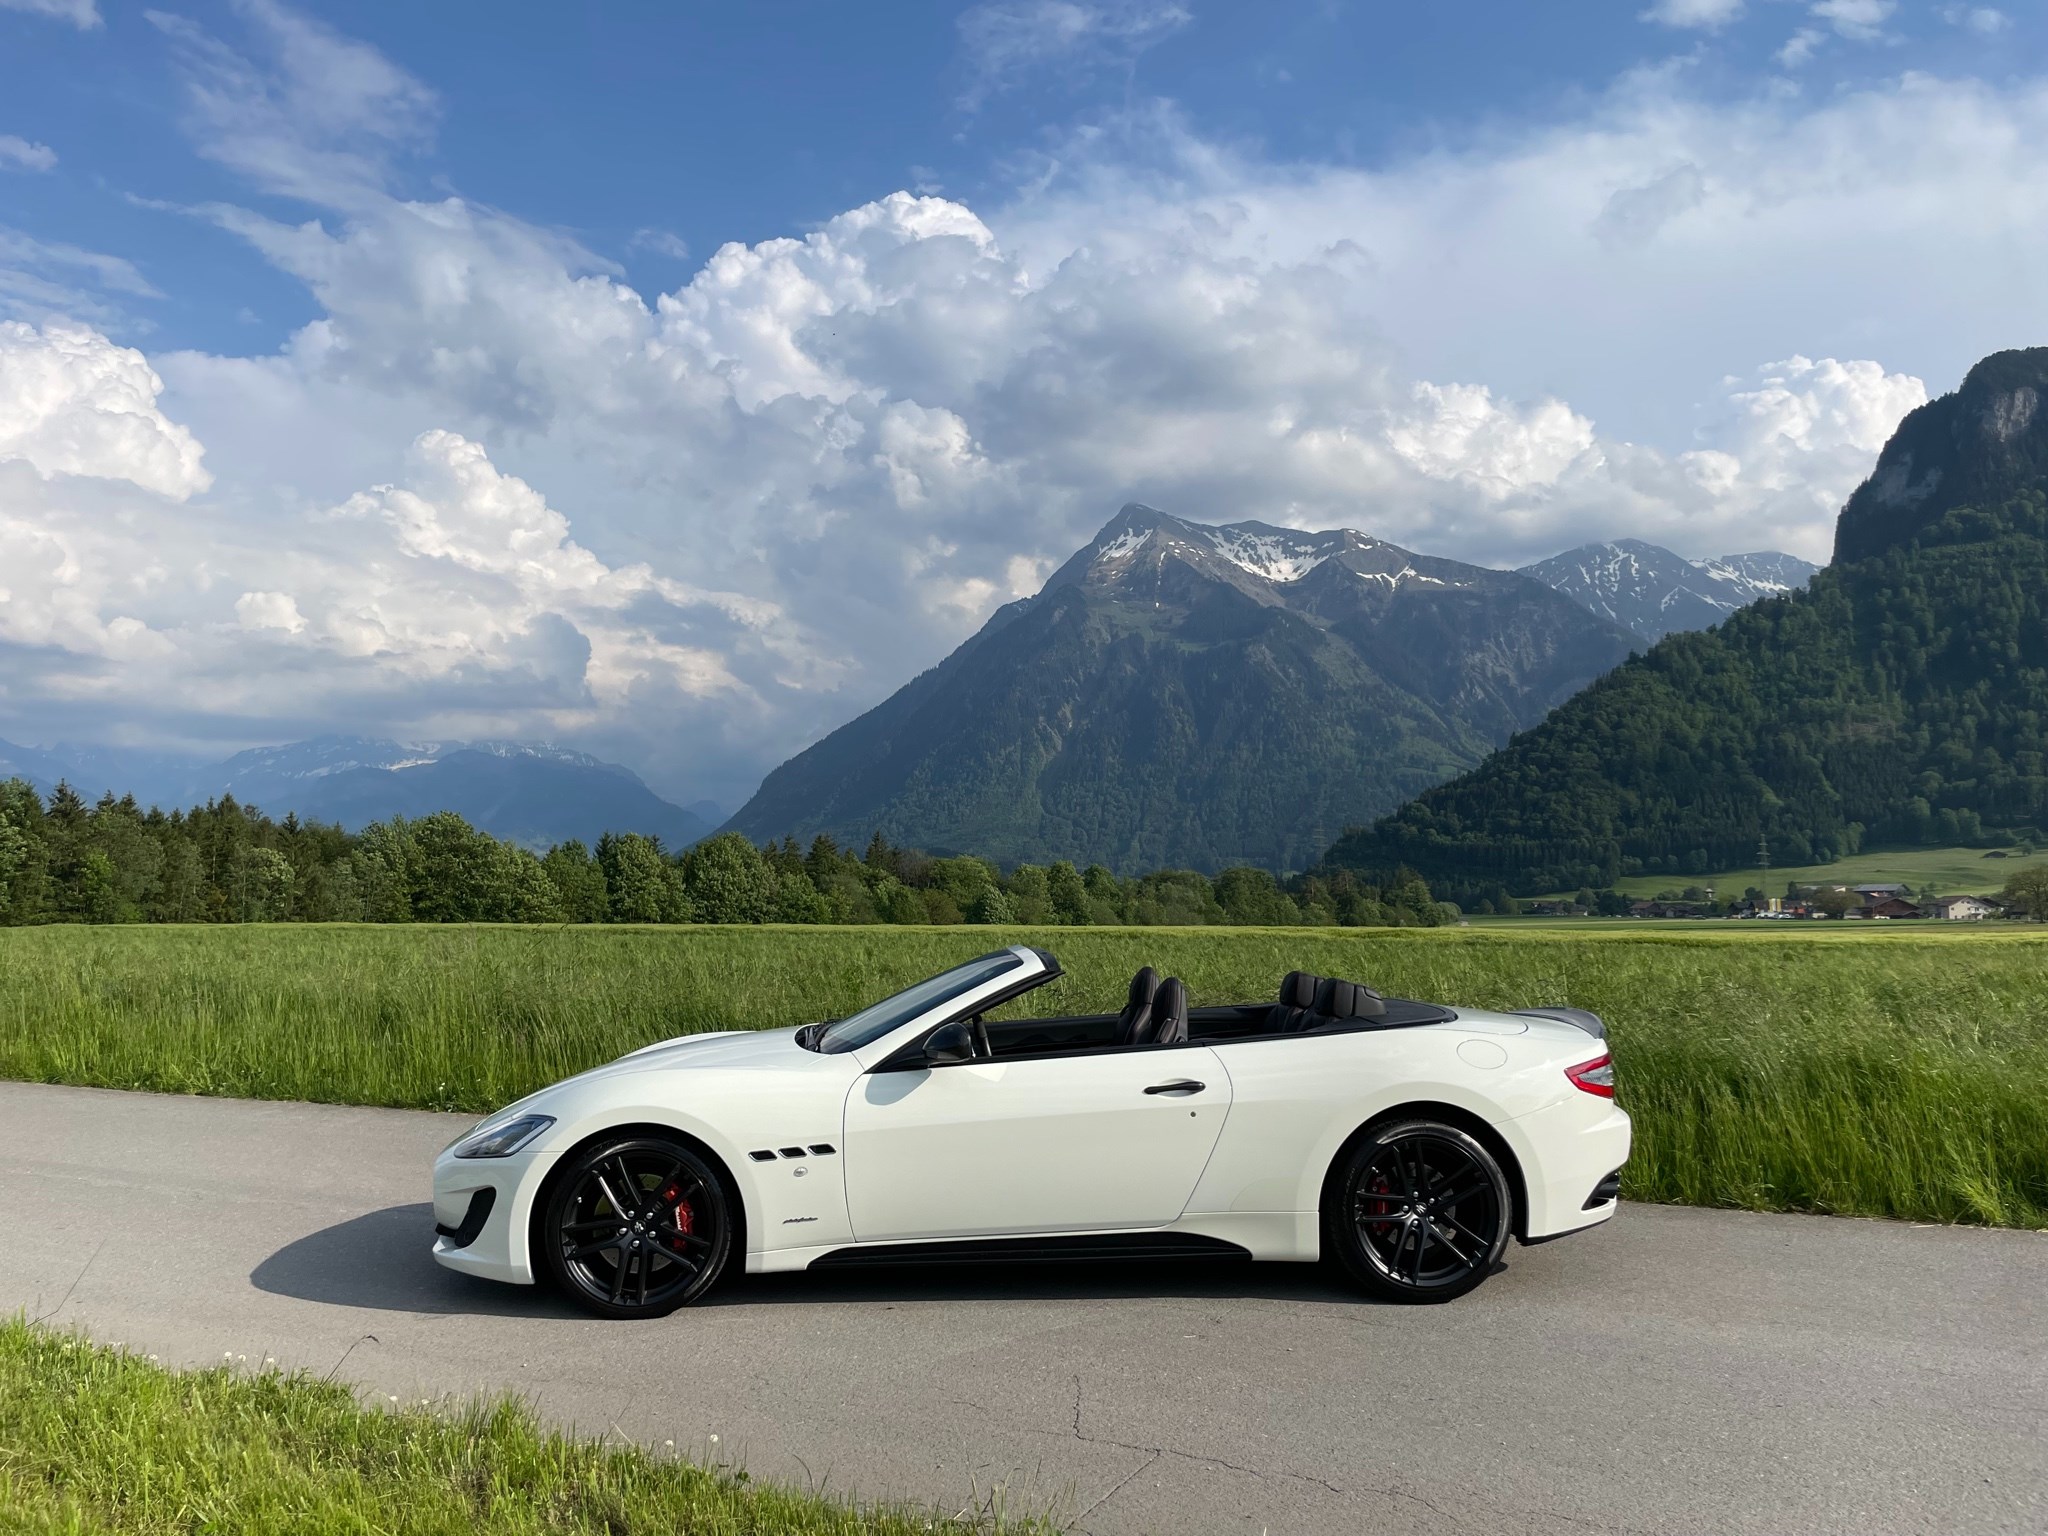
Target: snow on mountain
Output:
[(1652, 591)]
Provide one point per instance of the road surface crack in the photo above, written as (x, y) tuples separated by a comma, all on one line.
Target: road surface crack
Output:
[(1157, 1451), (66, 1297)]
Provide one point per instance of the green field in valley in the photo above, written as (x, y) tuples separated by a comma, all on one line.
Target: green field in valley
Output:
[(105, 1442), (1887, 1072), (1952, 871)]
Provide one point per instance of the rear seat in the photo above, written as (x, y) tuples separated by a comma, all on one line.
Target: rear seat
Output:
[(1308, 1001)]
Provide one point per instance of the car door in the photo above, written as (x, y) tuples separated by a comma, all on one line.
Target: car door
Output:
[(1050, 1144)]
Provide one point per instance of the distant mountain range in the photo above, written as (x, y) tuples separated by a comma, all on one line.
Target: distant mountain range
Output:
[(1181, 694), (1900, 698), (1649, 590), (531, 794)]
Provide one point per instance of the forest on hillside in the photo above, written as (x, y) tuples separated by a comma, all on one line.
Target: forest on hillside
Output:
[(1901, 700), (65, 861)]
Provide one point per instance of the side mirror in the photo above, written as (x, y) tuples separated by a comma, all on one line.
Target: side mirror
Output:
[(948, 1043)]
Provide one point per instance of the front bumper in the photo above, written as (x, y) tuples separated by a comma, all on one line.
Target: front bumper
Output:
[(498, 1250)]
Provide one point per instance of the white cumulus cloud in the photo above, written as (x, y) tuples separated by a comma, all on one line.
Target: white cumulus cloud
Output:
[(494, 489), (73, 403)]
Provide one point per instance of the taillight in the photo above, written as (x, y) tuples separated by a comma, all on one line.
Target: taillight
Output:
[(1595, 1076)]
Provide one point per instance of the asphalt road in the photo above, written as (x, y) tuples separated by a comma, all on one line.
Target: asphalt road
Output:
[(1678, 1371)]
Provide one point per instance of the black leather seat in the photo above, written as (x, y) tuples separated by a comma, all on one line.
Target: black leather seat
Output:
[(1169, 1013), (1134, 1024), (1297, 1000), (1342, 1002)]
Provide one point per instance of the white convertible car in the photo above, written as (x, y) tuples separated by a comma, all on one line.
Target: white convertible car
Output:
[(1407, 1140)]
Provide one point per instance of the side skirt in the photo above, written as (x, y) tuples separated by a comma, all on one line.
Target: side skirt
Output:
[(1036, 1250)]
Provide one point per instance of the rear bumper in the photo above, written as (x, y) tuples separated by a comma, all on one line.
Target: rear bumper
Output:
[(1570, 1149)]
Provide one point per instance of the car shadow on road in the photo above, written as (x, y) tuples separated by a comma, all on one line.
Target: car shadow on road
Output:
[(1094, 1280), (381, 1261)]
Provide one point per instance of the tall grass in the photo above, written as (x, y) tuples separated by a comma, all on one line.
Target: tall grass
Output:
[(1884, 1073), (96, 1440)]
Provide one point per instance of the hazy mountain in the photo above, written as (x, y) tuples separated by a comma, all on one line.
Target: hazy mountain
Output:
[(1648, 589), (1181, 694), (1901, 698), (533, 794)]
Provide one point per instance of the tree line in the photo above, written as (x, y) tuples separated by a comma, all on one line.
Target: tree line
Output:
[(65, 861)]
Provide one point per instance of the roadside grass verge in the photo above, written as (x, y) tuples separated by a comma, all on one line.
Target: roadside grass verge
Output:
[(1869, 1072), (96, 1440)]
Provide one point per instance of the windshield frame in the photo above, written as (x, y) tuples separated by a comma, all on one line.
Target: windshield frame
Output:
[(981, 976)]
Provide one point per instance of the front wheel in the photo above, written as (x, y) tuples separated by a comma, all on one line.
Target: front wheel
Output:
[(635, 1227), (1418, 1212)]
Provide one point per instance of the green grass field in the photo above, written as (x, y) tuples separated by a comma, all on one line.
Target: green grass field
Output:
[(102, 1442), (1885, 1072), (1954, 872)]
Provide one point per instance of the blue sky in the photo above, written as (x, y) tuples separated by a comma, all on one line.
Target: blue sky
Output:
[(637, 126), (675, 380)]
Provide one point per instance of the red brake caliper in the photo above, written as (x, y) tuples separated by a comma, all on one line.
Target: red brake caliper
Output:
[(671, 1196), (1380, 1186)]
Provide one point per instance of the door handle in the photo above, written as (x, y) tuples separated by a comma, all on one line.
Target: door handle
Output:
[(1183, 1085)]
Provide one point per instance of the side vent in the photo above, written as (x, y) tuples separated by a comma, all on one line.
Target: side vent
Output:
[(792, 1151), (763, 1156), (824, 1149)]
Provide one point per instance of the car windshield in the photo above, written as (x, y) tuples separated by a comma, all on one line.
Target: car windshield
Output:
[(876, 1020)]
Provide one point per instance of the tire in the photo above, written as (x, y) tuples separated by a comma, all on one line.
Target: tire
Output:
[(670, 1245), (1419, 1211)]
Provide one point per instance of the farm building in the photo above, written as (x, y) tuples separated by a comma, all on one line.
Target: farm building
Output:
[(1961, 909)]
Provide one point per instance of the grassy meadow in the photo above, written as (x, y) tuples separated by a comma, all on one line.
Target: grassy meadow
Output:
[(103, 1442), (1876, 1071), (1952, 872)]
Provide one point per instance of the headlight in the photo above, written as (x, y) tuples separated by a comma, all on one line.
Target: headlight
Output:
[(504, 1140)]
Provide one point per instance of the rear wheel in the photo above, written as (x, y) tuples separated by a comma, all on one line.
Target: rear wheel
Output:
[(1419, 1212), (635, 1227)]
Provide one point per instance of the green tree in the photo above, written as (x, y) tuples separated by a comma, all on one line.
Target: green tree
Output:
[(578, 882), (797, 900), (900, 904), (382, 867), (1251, 896), (1067, 895), (519, 889), (94, 889), (454, 871), (267, 885), (2027, 893), (641, 885), (1030, 894), (990, 905), (728, 881)]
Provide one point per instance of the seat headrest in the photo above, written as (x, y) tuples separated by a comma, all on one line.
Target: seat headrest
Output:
[(1144, 986), (1298, 990), (1348, 1000), (1170, 1013)]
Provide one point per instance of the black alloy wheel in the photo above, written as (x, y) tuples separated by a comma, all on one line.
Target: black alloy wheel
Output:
[(1420, 1212), (635, 1227)]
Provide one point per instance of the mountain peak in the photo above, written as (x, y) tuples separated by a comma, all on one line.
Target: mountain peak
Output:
[(1647, 588), (1196, 695), (1978, 445), (1139, 541)]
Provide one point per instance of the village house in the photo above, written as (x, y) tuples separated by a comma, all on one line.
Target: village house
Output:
[(1961, 909)]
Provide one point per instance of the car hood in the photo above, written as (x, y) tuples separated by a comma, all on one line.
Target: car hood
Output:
[(742, 1048)]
